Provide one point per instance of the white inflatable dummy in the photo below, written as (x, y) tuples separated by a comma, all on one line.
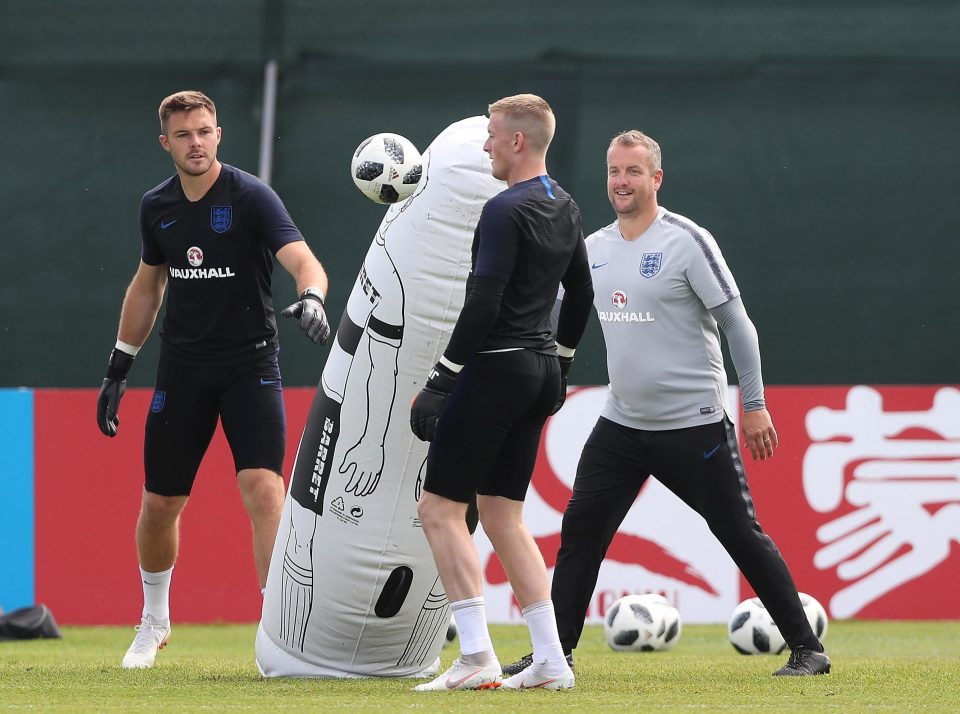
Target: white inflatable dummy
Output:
[(353, 590)]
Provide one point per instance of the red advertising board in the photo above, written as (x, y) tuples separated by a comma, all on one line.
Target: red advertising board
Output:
[(862, 498), (87, 497)]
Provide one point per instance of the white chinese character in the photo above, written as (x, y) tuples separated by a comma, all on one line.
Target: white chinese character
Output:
[(905, 492)]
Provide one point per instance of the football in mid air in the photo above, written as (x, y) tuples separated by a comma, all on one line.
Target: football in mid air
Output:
[(386, 168)]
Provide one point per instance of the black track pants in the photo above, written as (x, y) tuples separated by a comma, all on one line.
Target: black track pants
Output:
[(702, 466)]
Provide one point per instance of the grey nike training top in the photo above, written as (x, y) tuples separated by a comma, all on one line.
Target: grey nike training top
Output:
[(653, 296)]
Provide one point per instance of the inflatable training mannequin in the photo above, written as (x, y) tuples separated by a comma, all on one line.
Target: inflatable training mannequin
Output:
[(353, 590)]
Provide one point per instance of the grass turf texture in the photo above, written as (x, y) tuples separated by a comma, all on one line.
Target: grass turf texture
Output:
[(889, 666)]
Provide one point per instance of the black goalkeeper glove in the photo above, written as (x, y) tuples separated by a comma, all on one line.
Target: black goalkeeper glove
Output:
[(565, 363), (111, 392), (309, 310), (428, 405)]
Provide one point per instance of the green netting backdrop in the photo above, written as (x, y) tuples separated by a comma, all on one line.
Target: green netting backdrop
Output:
[(817, 141)]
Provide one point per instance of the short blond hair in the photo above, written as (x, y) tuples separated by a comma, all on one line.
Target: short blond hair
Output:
[(532, 116), (633, 137), (186, 101)]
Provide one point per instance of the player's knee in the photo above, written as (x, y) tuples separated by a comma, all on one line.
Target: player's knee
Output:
[(158, 509), (586, 526), (424, 511), (497, 523), (435, 511), (733, 534), (499, 533), (428, 511), (262, 491)]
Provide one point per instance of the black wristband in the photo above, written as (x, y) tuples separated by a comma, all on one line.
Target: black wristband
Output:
[(313, 294), (119, 364), (441, 378)]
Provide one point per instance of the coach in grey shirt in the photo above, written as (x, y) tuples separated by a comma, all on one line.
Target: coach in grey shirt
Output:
[(661, 290)]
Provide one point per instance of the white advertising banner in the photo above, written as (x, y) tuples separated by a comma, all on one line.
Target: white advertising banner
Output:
[(862, 499)]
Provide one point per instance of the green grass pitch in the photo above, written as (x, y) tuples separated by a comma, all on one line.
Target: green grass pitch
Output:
[(877, 667)]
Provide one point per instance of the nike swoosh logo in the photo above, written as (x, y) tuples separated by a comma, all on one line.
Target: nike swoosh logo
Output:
[(708, 454), (454, 683), (544, 683), (166, 224), (598, 265), (269, 381)]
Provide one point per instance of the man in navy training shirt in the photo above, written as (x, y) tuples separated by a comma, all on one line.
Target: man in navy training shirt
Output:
[(211, 231), (487, 398)]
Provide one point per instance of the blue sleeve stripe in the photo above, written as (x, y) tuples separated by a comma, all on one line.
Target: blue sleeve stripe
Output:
[(16, 499), (546, 184), (706, 250)]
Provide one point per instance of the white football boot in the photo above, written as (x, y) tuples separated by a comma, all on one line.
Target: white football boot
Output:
[(464, 676), (152, 635), (540, 675)]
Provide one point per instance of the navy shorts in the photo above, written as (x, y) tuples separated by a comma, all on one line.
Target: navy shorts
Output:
[(186, 404), (488, 435)]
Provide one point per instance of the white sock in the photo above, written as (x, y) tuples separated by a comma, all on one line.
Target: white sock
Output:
[(542, 622), (471, 619), (156, 593)]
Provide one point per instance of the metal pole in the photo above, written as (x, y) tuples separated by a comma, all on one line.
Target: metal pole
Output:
[(269, 115)]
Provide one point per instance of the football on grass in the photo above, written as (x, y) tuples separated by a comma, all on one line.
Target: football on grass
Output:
[(642, 623), (752, 630), (386, 168)]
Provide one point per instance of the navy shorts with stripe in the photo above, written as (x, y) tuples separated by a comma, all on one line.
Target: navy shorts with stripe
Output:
[(488, 435), (188, 401)]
